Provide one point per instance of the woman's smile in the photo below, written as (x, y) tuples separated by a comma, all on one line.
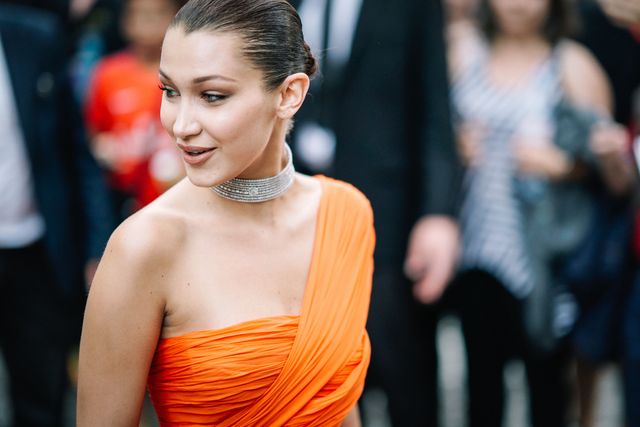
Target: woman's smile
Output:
[(195, 155)]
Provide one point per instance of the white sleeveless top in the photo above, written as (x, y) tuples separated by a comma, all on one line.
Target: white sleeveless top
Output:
[(495, 195)]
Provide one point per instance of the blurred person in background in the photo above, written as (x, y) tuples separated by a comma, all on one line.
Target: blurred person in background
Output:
[(378, 117), (123, 106), (68, 12), (514, 90), (623, 65), (92, 31), (54, 213), (96, 34), (609, 29)]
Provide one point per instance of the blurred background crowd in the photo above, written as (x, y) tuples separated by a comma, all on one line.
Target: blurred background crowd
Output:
[(511, 125)]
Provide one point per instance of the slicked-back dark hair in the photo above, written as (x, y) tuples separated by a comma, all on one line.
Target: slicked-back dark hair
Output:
[(561, 21), (271, 31)]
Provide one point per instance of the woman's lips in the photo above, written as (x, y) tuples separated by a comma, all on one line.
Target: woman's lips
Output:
[(196, 155)]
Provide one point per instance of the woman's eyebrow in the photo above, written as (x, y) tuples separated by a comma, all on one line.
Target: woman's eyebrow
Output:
[(202, 78)]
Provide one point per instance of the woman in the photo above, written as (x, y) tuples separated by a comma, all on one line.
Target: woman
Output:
[(509, 95), (240, 296)]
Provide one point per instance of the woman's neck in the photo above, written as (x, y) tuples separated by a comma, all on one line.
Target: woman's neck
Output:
[(522, 44), (273, 158)]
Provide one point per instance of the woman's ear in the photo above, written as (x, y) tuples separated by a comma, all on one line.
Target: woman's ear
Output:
[(292, 93)]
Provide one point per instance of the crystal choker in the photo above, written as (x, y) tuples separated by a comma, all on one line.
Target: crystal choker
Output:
[(258, 190)]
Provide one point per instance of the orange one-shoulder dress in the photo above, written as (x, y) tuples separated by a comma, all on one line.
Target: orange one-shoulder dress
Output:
[(303, 370)]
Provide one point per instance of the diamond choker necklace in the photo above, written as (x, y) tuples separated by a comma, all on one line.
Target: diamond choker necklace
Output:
[(258, 190)]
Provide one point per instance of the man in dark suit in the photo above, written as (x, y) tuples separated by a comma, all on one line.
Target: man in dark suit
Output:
[(54, 221), (387, 105)]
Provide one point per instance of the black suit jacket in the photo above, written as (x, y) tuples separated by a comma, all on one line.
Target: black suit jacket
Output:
[(389, 108), (69, 187)]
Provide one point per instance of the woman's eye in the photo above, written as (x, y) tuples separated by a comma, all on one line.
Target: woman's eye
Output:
[(169, 93), (212, 97)]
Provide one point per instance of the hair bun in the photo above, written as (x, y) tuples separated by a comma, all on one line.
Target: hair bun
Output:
[(310, 63)]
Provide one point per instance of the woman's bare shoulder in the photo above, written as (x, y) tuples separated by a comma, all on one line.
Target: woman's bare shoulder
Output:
[(584, 80), (151, 236), (465, 45)]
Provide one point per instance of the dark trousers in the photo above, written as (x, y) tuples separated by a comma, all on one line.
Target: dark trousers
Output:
[(491, 320), (33, 336), (404, 359), (631, 356)]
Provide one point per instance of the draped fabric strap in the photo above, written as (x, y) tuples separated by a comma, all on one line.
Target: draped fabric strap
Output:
[(333, 316), (305, 370)]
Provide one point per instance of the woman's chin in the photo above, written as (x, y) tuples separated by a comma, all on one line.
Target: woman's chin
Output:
[(204, 180)]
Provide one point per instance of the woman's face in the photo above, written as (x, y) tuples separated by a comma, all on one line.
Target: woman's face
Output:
[(215, 107), (519, 17), (460, 9), (145, 21)]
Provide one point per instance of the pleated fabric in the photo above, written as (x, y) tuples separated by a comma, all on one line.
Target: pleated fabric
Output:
[(305, 370)]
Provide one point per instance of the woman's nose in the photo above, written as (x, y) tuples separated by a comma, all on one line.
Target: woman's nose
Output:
[(186, 124)]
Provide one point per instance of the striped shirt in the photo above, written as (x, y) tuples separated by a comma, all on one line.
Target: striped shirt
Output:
[(495, 195)]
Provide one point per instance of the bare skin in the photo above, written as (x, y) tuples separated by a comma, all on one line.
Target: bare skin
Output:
[(625, 13), (192, 260), (609, 141), (431, 256)]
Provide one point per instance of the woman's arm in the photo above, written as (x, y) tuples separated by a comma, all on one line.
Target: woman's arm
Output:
[(463, 44), (587, 85), (353, 418), (122, 324), (610, 143), (584, 81)]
